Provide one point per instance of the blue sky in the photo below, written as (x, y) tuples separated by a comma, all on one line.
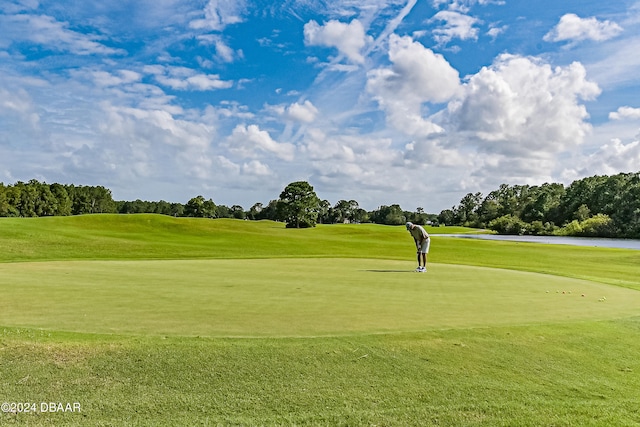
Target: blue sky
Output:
[(412, 102)]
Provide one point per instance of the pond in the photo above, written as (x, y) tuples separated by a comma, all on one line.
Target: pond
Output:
[(555, 240)]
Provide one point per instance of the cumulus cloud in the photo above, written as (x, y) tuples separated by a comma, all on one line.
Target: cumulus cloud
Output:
[(218, 14), (366, 161), (573, 28), (516, 118), (456, 26), (245, 140), (349, 39), (432, 152), (257, 168), (305, 112), (182, 78), (417, 76), (625, 113), (521, 106), (613, 158), (130, 142)]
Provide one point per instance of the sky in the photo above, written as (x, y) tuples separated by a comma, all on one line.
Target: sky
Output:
[(409, 102)]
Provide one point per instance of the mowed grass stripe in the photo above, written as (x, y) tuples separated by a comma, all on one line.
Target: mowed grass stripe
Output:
[(292, 297)]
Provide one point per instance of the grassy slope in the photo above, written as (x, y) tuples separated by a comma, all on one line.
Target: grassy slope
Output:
[(577, 373), (161, 237)]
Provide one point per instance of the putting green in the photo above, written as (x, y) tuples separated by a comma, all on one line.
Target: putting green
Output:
[(291, 297)]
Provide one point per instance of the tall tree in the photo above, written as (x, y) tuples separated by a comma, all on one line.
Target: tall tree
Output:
[(64, 204), (299, 205), (200, 208)]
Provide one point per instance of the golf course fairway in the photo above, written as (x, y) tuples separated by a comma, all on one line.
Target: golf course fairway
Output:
[(149, 320), (292, 297)]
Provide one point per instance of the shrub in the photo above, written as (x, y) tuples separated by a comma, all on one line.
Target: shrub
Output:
[(508, 224)]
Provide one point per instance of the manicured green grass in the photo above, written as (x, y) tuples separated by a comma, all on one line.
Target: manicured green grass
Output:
[(148, 320), (570, 374), (131, 237), (291, 297)]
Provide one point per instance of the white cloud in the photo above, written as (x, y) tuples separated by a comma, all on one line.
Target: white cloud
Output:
[(625, 113), (224, 53), (257, 168), (128, 143), (305, 112), (182, 78), (218, 14), (154, 126), (432, 152), (417, 76), (456, 26), (18, 6), (464, 5), (45, 30), (349, 39), (18, 105), (613, 158), (340, 160), (120, 77), (520, 114), (522, 106), (17, 102), (245, 140), (573, 28), (495, 31)]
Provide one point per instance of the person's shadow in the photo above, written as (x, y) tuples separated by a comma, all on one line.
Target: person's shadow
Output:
[(389, 271)]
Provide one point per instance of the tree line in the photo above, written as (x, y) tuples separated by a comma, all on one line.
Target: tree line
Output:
[(597, 206), (298, 206)]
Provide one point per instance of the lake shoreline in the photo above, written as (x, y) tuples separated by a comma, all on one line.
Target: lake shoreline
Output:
[(554, 240)]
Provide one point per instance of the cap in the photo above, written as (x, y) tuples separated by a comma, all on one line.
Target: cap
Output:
[(408, 225)]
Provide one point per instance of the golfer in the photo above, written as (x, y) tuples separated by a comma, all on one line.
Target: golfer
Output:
[(422, 240)]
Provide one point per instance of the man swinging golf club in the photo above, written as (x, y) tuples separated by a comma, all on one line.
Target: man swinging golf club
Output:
[(422, 240)]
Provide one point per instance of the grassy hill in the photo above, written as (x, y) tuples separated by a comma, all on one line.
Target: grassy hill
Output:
[(148, 236)]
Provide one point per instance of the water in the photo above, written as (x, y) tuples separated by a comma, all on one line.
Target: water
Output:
[(555, 240)]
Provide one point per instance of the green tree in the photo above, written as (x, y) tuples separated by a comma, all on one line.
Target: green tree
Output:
[(446, 217), (4, 202), (89, 200), (64, 205), (299, 205), (198, 207), (254, 211), (542, 203), (508, 224), (238, 212), (325, 212), (270, 211), (344, 211), (360, 215), (583, 212), (388, 215), (467, 212)]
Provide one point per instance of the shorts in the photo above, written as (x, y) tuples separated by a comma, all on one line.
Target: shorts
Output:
[(424, 247)]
